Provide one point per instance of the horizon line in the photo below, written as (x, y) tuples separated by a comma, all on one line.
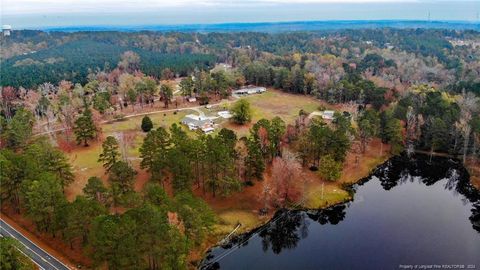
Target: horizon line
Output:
[(132, 26)]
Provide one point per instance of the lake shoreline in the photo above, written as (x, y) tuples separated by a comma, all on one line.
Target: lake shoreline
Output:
[(466, 187), (347, 183)]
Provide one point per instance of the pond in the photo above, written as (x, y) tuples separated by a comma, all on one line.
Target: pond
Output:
[(408, 212)]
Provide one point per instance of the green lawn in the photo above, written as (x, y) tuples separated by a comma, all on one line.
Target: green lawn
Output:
[(332, 194), (277, 103), (133, 123), (228, 220)]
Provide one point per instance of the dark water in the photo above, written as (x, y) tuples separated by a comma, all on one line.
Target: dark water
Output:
[(407, 212)]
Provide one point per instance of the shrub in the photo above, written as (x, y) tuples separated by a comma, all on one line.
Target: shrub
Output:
[(242, 113), (147, 124)]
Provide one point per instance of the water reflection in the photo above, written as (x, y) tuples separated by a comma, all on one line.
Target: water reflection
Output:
[(288, 228), (399, 170), (284, 233)]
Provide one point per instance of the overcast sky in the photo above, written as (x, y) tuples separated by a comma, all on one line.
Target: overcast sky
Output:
[(41, 13)]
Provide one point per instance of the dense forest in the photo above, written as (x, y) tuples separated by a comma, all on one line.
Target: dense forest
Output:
[(53, 56), (73, 61), (414, 90)]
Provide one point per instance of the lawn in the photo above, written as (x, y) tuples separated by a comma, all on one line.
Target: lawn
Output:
[(133, 123), (318, 196), (277, 103), (274, 103), (84, 160), (228, 219)]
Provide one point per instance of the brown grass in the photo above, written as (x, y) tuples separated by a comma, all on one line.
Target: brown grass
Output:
[(473, 167), (375, 155)]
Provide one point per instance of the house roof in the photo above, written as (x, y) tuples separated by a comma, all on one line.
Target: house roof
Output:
[(250, 90), (208, 129), (194, 120), (328, 113), (225, 114)]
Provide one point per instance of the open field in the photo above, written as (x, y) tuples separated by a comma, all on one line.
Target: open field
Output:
[(276, 103), (84, 160)]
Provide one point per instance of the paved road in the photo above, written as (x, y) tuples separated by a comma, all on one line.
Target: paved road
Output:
[(39, 256)]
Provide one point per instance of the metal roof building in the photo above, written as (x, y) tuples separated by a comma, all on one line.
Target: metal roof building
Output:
[(195, 122)]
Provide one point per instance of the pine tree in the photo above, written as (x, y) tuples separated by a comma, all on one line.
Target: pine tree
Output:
[(154, 152), (19, 130), (50, 159), (110, 153), (196, 215), (254, 161), (276, 132), (368, 125), (96, 190), (85, 129), (80, 216), (330, 169), (123, 175), (43, 201)]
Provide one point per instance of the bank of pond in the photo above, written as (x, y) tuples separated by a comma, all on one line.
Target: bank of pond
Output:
[(409, 211)]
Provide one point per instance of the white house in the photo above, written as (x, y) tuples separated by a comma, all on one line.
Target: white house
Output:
[(225, 114), (328, 115), (195, 122)]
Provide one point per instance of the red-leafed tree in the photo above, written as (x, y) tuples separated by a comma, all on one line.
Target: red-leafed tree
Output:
[(287, 179)]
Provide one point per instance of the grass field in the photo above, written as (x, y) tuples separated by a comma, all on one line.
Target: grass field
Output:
[(277, 103), (84, 160), (133, 123)]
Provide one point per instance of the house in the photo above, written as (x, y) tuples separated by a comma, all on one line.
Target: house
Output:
[(250, 90), (195, 122), (328, 115), (225, 114), (192, 99)]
